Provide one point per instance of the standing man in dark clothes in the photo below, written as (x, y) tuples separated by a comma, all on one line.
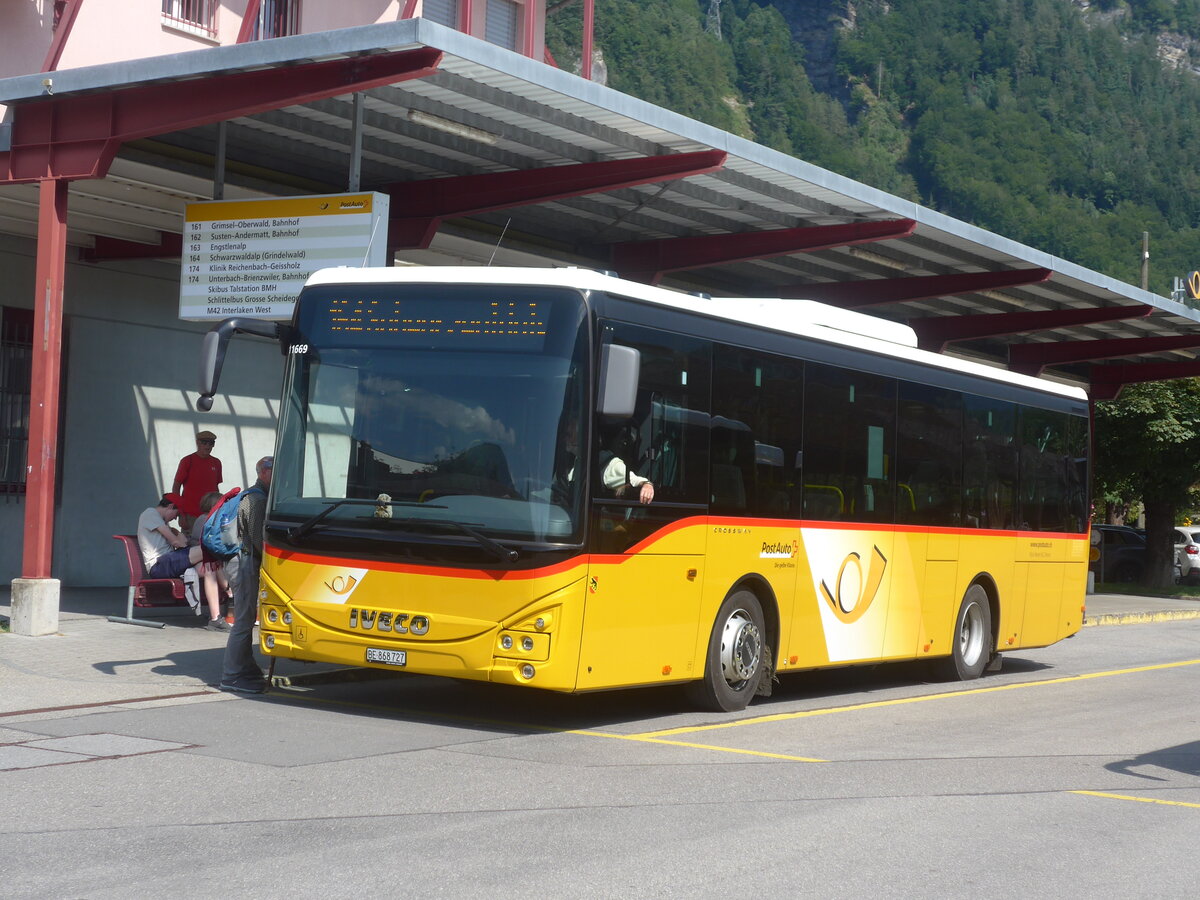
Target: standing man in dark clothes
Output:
[(197, 474), (240, 673)]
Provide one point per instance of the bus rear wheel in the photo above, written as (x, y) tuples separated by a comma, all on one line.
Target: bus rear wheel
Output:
[(972, 644), (736, 651)]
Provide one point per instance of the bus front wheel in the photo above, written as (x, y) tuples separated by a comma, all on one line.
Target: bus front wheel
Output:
[(972, 643), (736, 650)]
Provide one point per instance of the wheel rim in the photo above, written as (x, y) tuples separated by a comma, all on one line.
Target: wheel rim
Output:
[(741, 648), (971, 637)]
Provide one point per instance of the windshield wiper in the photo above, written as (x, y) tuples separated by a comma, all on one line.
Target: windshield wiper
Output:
[(502, 553), (298, 531)]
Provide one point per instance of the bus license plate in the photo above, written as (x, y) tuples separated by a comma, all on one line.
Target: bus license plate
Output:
[(387, 657)]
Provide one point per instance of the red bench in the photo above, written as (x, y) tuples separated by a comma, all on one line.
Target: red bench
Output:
[(144, 591)]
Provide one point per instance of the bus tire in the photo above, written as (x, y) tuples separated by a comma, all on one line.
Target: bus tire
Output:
[(971, 642), (736, 655)]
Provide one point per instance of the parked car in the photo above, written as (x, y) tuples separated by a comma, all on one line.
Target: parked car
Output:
[(1122, 553), (1187, 554)]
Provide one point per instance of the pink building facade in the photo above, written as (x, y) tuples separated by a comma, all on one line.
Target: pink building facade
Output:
[(91, 32)]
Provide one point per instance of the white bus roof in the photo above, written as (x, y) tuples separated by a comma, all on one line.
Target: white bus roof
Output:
[(805, 318)]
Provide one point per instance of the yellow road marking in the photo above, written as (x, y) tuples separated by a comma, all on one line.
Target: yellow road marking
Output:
[(651, 740), (538, 729), (659, 737), (1137, 799), (876, 704)]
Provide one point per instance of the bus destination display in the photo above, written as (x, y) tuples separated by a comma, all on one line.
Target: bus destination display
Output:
[(500, 324)]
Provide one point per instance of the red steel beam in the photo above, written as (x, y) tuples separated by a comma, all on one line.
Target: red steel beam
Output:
[(1031, 359), (648, 261), (249, 19), (41, 463), (934, 332), (62, 31), (876, 291), (422, 205), (589, 37), (169, 246), (78, 136), (1107, 381)]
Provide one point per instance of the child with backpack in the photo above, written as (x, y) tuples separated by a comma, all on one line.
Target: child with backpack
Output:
[(212, 571)]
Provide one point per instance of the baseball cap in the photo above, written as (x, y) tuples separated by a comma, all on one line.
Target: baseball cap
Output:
[(174, 499)]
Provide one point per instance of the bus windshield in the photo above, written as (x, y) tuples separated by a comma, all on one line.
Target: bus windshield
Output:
[(445, 411)]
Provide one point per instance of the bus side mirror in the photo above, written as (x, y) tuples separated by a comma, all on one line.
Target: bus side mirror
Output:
[(212, 351), (619, 370)]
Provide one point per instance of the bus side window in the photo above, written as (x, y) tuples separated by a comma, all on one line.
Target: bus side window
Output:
[(989, 463), (733, 457), (849, 444), (757, 423), (929, 456), (1049, 496), (669, 428)]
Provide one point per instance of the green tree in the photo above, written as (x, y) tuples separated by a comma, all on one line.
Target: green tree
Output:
[(1148, 442)]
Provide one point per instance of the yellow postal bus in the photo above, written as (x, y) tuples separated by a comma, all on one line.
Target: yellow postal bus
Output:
[(557, 479)]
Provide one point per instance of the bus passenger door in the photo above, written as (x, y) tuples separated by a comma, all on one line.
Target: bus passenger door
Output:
[(643, 596), (642, 607)]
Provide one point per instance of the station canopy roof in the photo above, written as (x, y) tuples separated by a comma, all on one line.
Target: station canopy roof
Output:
[(489, 156)]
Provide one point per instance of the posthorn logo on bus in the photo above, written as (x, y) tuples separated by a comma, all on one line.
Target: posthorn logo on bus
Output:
[(852, 593), (385, 620)]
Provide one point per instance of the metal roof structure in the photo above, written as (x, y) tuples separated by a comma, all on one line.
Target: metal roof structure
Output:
[(490, 156)]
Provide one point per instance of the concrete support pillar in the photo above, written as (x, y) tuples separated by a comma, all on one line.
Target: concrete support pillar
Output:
[(35, 606)]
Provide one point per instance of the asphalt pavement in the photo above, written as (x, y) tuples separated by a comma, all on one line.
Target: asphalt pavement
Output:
[(92, 662)]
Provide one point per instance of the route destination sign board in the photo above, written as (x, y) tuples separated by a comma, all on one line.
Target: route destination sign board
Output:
[(251, 257)]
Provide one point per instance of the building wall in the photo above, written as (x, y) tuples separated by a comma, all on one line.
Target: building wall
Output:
[(113, 30), (129, 393)]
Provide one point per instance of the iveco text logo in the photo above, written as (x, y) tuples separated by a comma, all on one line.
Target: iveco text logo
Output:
[(400, 623)]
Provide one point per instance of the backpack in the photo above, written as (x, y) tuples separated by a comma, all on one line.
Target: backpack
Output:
[(220, 533)]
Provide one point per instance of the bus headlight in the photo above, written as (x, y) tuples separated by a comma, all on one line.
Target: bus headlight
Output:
[(269, 640), (527, 671), (272, 616), (287, 617), (506, 642)]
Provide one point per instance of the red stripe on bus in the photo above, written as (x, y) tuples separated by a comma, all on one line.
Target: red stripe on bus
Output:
[(643, 545), (411, 569)]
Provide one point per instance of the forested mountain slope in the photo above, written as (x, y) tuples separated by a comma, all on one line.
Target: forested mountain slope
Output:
[(1067, 126)]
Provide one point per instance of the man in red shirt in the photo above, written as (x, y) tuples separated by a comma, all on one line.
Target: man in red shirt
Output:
[(198, 473)]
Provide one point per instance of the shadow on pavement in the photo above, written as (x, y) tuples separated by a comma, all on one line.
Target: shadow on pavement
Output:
[(204, 664), (1182, 758)]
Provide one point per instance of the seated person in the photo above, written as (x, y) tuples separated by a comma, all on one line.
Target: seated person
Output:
[(618, 478), (166, 554), (615, 473)]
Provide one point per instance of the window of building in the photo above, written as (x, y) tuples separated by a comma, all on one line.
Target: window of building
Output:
[(16, 362), (503, 25), (194, 16), (277, 18), (444, 12)]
